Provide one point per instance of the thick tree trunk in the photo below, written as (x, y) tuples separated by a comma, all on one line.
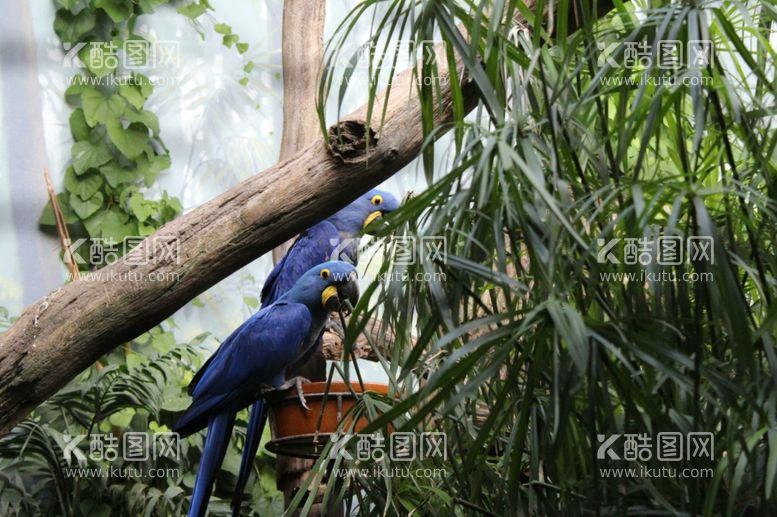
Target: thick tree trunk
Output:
[(303, 53)]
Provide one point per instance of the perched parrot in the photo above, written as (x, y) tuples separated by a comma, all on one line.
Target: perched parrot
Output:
[(334, 238), (255, 356)]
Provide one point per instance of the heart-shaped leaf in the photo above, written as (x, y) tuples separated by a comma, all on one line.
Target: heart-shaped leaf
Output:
[(86, 208)]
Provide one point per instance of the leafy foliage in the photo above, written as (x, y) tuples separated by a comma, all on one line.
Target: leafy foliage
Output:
[(141, 387), (145, 394), (118, 151), (526, 349)]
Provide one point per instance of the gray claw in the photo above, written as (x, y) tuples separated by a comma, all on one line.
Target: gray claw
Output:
[(298, 382)]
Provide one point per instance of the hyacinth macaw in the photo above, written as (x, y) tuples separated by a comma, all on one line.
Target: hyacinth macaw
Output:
[(255, 356), (333, 238)]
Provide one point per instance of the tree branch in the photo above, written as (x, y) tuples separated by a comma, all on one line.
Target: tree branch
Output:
[(60, 335), (63, 333)]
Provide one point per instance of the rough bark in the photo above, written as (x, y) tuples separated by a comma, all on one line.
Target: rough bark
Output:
[(63, 333), (70, 328), (303, 51)]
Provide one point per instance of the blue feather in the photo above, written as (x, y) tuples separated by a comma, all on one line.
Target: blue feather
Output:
[(332, 239), (254, 433), (254, 356), (219, 431)]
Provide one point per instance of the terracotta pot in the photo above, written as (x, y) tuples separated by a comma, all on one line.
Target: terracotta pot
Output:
[(295, 430)]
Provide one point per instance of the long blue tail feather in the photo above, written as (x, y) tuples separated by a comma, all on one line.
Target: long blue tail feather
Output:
[(256, 423), (216, 442)]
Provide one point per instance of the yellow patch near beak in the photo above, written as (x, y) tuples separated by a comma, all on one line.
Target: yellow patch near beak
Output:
[(373, 215), (327, 293)]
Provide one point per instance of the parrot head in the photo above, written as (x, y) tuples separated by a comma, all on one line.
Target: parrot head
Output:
[(326, 286), (363, 211)]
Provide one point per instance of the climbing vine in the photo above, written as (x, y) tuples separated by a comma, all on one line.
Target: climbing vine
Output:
[(117, 151), (116, 155)]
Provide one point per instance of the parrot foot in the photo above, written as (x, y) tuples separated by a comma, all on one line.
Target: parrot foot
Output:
[(297, 382)]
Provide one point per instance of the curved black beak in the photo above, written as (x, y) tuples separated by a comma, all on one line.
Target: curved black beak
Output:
[(348, 291), (335, 296)]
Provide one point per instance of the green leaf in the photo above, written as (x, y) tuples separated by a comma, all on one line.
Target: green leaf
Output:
[(144, 84), (74, 6), (118, 10), (242, 48), (94, 508), (249, 67), (146, 229), (93, 224), (78, 126), (86, 155), (133, 95), (100, 57), (147, 6), (76, 88), (116, 175), (243, 81), (130, 141), (176, 404), (71, 28), (222, 28), (162, 342), (47, 215), (99, 107), (86, 208), (83, 186), (151, 167), (230, 39), (141, 207), (122, 418), (116, 225), (194, 10), (148, 118)]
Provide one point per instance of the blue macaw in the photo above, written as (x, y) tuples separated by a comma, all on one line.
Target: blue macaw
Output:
[(255, 356), (333, 238)]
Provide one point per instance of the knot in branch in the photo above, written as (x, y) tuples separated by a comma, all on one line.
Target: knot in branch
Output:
[(349, 140)]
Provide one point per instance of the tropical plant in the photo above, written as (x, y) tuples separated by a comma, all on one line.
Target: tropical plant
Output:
[(528, 343), (117, 155), (144, 395)]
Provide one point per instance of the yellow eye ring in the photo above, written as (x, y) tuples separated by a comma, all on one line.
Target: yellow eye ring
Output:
[(324, 273), (376, 199)]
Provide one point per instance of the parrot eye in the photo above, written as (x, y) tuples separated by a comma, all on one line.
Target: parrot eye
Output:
[(376, 199), (324, 273)]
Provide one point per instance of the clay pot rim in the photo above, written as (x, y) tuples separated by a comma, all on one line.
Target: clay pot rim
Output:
[(336, 388)]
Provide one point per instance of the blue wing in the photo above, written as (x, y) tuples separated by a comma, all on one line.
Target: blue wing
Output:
[(251, 356), (314, 246)]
